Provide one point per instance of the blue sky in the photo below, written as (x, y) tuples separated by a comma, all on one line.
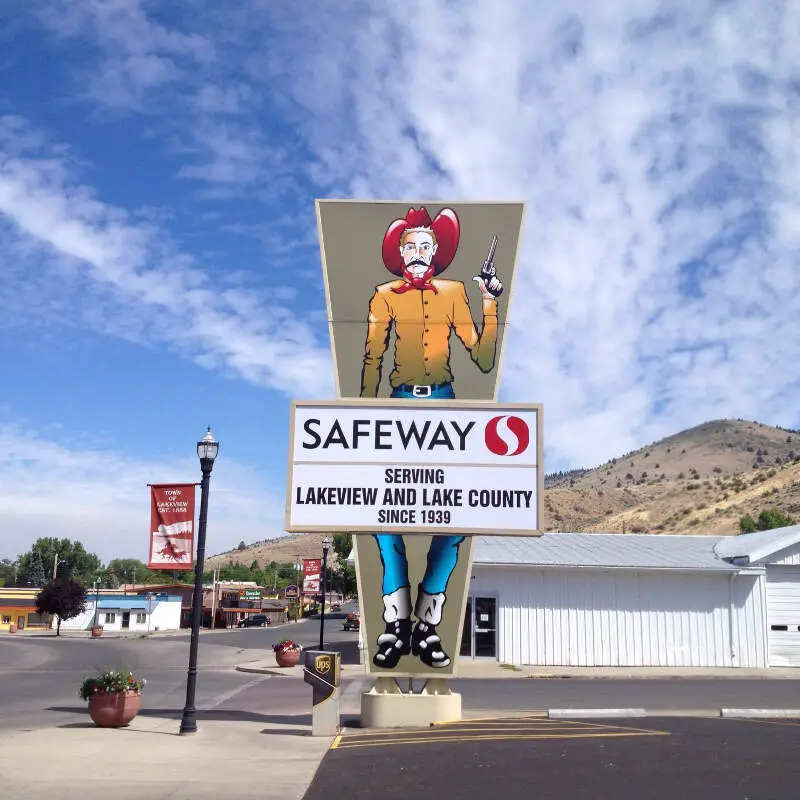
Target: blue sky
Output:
[(159, 268)]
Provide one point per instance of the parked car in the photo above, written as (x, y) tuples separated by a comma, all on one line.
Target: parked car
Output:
[(255, 621)]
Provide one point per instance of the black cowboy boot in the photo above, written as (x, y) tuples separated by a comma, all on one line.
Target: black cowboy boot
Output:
[(395, 641), (425, 642)]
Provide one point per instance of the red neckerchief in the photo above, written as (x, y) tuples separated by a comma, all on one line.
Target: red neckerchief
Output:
[(416, 283)]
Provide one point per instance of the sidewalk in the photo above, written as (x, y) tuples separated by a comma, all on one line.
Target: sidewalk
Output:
[(235, 760)]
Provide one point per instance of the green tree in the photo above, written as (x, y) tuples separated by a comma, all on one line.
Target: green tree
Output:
[(33, 570), (129, 570), (77, 563), (747, 524), (344, 574), (8, 572), (63, 597), (772, 518), (768, 519)]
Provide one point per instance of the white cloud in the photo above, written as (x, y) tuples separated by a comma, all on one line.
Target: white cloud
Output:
[(138, 54), (654, 142), (66, 490), (151, 292), (655, 146)]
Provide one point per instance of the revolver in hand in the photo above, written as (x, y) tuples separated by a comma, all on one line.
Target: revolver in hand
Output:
[(487, 279)]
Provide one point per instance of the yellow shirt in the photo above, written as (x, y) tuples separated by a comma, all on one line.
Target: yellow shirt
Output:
[(423, 321)]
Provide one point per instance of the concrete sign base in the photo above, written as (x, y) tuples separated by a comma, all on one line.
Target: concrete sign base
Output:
[(386, 705)]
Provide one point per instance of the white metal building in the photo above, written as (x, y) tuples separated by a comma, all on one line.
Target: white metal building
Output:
[(121, 612), (577, 599)]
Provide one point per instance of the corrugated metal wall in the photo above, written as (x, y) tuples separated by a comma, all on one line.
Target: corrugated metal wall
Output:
[(581, 617), (789, 557), (783, 616)]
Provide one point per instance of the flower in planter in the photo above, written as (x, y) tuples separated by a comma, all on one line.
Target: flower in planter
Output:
[(285, 644), (111, 682)]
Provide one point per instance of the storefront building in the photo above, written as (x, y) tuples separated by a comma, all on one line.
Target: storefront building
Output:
[(18, 610), (578, 599)]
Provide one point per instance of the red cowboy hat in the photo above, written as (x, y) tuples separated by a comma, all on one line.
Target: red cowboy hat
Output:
[(445, 226)]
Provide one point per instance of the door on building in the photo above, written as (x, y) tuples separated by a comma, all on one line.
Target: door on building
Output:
[(20, 623), (126, 620), (783, 616), (466, 633), (479, 639)]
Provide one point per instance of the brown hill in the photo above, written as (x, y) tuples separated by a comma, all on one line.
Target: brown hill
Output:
[(281, 550), (702, 480)]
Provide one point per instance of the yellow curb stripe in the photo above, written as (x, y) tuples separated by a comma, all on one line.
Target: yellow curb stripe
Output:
[(539, 716), (335, 742), (522, 737), (448, 734)]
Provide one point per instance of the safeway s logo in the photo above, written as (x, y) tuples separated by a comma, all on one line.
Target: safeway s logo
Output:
[(507, 436)]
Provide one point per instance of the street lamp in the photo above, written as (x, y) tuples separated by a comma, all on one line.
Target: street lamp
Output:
[(298, 566), (207, 449), (326, 543), (96, 601)]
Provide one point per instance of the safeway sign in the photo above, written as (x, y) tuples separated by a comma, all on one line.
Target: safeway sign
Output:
[(416, 467)]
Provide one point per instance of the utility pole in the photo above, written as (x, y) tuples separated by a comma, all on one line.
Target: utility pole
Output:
[(214, 598), (55, 567)]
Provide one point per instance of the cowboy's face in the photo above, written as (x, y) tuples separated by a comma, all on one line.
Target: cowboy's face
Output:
[(417, 252)]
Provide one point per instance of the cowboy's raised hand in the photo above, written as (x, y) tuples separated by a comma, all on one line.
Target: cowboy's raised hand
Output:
[(491, 288)]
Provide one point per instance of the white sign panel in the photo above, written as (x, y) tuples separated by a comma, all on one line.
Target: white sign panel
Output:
[(415, 467)]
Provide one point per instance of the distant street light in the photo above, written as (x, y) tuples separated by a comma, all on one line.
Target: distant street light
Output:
[(207, 449), (96, 601), (326, 543), (298, 567)]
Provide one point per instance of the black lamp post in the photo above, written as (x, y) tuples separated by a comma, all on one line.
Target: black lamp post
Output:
[(326, 543), (96, 601), (207, 449), (298, 566)]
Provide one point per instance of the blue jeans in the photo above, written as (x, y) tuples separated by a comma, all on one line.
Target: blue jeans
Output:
[(443, 552)]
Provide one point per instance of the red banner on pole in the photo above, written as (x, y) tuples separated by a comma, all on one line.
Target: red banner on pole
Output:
[(312, 569), (172, 526)]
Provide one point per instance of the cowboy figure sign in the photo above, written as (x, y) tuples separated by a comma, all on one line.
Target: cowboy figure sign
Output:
[(417, 311), (424, 311)]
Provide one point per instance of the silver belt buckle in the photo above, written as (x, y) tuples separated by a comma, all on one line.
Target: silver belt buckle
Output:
[(421, 391)]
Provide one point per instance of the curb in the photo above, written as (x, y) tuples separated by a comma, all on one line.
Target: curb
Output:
[(587, 713), (281, 671), (759, 713)]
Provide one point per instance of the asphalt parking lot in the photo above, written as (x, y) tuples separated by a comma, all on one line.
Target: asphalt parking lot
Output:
[(658, 758)]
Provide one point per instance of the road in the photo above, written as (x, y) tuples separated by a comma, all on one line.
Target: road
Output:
[(653, 758), (40, 674), (657, 759), (652, 694)]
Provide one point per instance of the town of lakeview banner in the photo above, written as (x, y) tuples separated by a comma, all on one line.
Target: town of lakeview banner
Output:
[(312, 569), (171, 526)]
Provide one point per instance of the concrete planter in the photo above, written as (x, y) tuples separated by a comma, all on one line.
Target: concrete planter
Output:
[(114, 709), (288, 657)]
